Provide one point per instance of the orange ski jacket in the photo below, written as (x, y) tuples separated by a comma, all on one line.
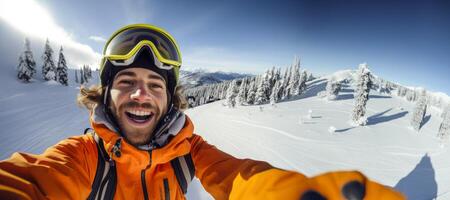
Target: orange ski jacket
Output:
[(67, 171)]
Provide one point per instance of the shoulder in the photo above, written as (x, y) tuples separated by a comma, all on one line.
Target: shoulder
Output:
[(80, 145)]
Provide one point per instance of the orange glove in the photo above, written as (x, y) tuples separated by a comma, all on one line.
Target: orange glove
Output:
[(350, 185)]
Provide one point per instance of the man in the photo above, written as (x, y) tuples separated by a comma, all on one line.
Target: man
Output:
[(143, 147)]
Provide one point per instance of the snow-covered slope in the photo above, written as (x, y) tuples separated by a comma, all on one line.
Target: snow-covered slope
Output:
[(386, 150), (38, 115)]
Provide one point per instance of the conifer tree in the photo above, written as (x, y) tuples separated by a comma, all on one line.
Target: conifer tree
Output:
[(444, 128), (48, 68), (262, 93), (82, 80), (419, 111), (286, 85), (332, 89), (445, 111), (363, 86), (241, 95), (274, 96), (76, 76), (302, 82), (24, 73), (61, 70), (231, 94), (27, 66), (251, 92)]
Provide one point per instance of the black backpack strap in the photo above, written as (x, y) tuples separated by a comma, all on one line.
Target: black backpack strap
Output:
[(104, 185), (184, 169)]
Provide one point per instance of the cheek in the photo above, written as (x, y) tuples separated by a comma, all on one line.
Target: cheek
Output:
[(164, 103), (115, 97)]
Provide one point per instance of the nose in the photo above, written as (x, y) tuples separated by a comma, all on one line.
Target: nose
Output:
[(140, 94)]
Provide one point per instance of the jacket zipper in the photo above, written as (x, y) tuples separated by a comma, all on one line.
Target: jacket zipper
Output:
[(144, 185)]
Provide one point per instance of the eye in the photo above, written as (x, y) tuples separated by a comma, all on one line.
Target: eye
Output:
[(155, 86), (126, 83)]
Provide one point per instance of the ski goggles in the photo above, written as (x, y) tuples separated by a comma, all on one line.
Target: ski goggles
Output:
[(123, 46)]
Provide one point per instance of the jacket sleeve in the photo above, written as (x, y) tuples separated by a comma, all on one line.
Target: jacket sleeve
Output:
[(63, 171), (226, 177)]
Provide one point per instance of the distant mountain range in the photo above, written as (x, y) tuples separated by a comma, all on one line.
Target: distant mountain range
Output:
[(196, 78)]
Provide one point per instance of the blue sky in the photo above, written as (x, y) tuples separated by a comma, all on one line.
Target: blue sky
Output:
[(404, 41)]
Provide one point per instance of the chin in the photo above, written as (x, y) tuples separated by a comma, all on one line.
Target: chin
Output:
[(137, 135)]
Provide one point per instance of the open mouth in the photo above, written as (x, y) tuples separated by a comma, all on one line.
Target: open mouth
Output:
[(139, 117)]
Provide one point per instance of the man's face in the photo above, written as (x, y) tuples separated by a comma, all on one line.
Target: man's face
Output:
[(138, 100)]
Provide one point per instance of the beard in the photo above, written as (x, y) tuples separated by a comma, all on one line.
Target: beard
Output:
[(136, 135)]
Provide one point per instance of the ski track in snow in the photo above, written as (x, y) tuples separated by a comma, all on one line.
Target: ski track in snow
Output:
[(12, 97)]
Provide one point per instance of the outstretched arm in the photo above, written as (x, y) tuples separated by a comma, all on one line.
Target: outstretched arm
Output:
[(61, 171), (226, 177)]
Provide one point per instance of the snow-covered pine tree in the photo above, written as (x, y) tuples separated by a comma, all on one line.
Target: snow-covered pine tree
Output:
[(444, 128), (445, 111), (48, 68), (302, 82), (310, 77), (286, 86), (241, 95), (363, 86), (278, 74), (251, 92), (231, 94), (76, 76), (294, 80), (281, 89), (61, 70), (274, 96), (333, 88), (399, 91), (419, 111), (23, 72), (82, 80), (29, 59), (27, 65), (223, 90), (410, 95), (87, 73), (262, 93)]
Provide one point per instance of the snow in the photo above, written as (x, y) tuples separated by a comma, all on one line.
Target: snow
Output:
[(51, 82), (386, 150), (37, 115), (332, 129)]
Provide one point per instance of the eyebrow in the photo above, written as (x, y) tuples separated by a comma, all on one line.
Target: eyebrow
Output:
[(132, 74), (125, 73), (154, 76)]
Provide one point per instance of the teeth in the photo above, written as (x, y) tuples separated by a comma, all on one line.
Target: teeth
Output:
[(139, 113)]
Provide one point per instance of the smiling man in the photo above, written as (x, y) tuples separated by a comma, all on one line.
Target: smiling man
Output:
[(143, 146)]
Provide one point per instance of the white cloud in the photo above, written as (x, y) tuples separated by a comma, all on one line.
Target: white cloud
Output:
[(32, 19), (97, 38)]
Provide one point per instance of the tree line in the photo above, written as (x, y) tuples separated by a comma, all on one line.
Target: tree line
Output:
[(271, 87), (274, 86), (26, 68)]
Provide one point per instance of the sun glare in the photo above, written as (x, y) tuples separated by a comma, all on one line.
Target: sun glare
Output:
[(31, 19), (28, 17)]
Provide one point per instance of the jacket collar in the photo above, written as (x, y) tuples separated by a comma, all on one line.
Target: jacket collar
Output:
[(172, 143)]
